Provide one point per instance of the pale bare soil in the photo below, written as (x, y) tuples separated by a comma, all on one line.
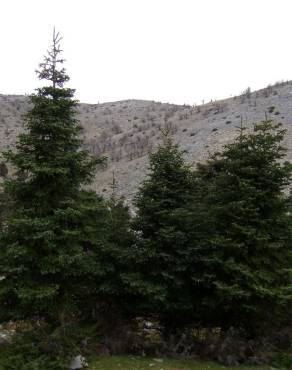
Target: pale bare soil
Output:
[(127, 131)]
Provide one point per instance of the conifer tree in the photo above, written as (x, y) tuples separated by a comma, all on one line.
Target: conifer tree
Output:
[(119, 217), (162, 253), (246, 257), (47, 242), (117, 256)]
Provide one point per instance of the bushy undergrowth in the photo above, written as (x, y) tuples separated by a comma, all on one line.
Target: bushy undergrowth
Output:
[(44, 348), (283, 361)]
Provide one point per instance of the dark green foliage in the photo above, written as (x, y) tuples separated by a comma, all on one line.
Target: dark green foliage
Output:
[(107, 280), (47, 241), (6, 206), (245, 259), (283, 361), (26, 353), (162, 255), (42, 347), (116, 256)]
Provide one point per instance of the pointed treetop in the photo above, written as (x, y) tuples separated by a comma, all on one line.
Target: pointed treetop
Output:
[(49, 68)]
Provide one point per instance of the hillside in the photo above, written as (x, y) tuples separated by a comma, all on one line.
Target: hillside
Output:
[(127, 131)]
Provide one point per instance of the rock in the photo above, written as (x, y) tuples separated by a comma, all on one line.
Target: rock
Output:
[(3, 340), (148, 324), (160, 360), (78, 362), (84, 343)]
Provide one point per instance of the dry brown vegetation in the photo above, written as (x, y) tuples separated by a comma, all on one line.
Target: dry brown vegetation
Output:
[(127, 131)]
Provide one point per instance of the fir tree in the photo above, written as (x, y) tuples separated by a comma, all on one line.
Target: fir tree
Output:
[(245, 258), (117, 255), (119, 220), (162, 254), (46, 244)]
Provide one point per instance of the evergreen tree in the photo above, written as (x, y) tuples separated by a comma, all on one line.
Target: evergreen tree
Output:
[(116, 256), (162, 254), (245, 258), (119, 218), (50, 236), (6, 205)]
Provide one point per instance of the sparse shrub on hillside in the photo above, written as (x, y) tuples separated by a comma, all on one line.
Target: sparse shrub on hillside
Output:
[(268, 91), (281, 83), (168, 114), (150, 117), (183, 116), (116, 155), (116, 128), (245, 95), (170, 127), (247, 92), (137, 146), (219, 108), (107, 111), (206, 113)]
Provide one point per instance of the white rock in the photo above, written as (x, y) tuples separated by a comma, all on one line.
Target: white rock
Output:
[(78, 362), (158, 360)]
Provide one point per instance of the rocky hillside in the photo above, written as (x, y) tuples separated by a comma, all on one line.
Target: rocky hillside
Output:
[(127, 131)]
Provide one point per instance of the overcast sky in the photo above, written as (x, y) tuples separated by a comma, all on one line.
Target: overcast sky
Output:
[(177, 51)]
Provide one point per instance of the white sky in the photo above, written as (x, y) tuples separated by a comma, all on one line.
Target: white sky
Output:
[(177, 51)]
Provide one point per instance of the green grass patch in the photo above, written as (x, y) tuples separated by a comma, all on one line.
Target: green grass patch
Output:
[(146, 363)]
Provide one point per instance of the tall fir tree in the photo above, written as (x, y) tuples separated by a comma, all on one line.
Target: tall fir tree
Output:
[(48, 239), (162, 253), (245, 258)]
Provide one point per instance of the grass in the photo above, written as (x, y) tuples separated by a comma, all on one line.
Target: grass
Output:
[(144, 363)]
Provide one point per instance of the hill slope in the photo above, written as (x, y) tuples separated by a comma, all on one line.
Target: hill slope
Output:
[(126, 131)]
